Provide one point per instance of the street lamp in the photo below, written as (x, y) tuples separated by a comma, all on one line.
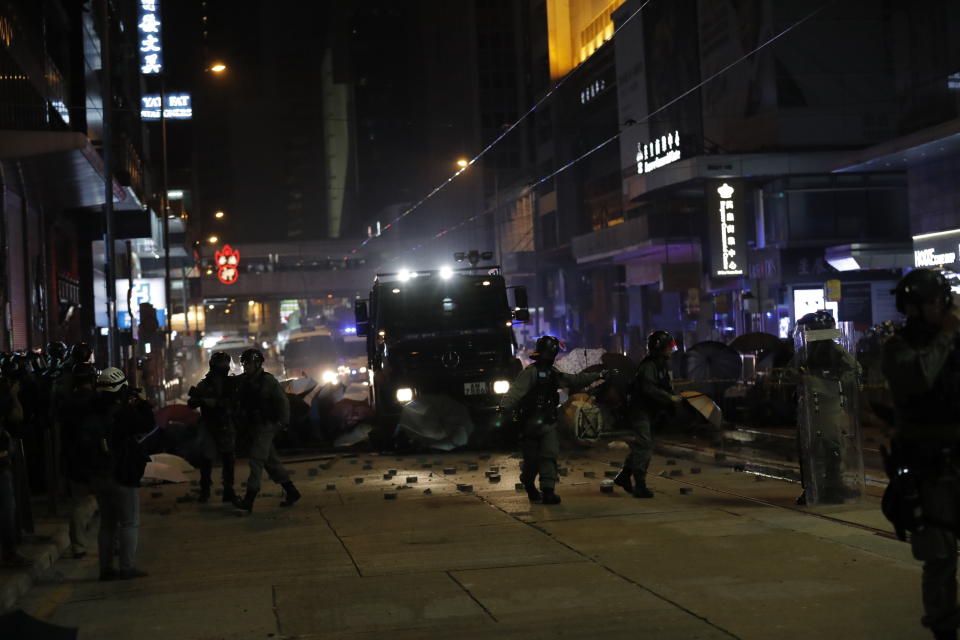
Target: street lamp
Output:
[(218, 67), (218, 215), (462, 163), (213, 239)]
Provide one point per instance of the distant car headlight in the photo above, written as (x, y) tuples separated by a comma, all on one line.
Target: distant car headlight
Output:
[(328, 377), (404, 395), (501, 386), (363, 369), (353, 372)]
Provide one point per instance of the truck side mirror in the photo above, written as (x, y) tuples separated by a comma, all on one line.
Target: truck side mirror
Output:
[(520, 304), (362, 316), (520, 298)]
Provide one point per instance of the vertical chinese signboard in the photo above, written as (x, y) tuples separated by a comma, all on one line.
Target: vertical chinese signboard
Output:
[(726, 218), (148, 29)]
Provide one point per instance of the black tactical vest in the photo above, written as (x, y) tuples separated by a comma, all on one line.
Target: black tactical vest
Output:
[(544, 399)]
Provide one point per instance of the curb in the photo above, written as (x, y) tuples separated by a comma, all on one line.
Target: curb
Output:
[(14, 583), (754, 464)]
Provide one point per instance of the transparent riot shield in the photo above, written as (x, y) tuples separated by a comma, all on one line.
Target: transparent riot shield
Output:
[(828, 426)]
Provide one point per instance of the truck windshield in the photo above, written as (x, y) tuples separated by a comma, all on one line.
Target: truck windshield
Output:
[(437, 305), (310, 348)]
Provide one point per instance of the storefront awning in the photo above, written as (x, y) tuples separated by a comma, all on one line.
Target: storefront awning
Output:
[(869, 256), (63, 169), (918, 147), (731, 166)]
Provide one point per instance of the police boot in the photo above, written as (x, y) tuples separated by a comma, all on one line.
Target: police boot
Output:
[(640, 486), (245, 505), (549, 497), (205, 481), (291, 494), (532, 493), (624, 480)]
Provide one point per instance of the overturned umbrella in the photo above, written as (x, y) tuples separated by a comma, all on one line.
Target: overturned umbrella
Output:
[(704, 406), (171, 460), (163, 472)]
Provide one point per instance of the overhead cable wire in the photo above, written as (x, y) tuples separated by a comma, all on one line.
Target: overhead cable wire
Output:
[(617, 135), (507, 131)]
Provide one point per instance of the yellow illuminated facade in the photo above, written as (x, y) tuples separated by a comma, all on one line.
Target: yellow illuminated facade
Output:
[(577, 28)]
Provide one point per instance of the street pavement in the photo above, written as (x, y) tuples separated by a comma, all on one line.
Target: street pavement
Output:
[(731, 558)]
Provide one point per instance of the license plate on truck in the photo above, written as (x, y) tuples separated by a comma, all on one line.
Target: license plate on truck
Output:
[(474, 388)]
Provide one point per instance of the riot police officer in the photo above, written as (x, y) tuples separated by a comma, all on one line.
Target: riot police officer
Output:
[(828, 377), (650, 400), (213, 396), (922, 365), (264, 409), (535, 393)]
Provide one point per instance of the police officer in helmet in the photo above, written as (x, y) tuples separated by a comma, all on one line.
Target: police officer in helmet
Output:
[(535, 393), (922, 365), (264, 410), (214, 396), (650, 399), (826, 373)]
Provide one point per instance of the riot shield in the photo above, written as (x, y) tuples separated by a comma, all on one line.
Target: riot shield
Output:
[(828, 426)]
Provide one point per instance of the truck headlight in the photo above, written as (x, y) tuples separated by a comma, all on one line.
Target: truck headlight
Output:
[(501, 386), (328, 377), (404, 395)]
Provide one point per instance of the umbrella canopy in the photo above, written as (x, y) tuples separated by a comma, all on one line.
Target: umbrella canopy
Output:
[(712, 361), (757, 342), (19, 624), (579, 359), (176, 414), (438, 422), (164, 472), (704, 406), (300, 386), (171, 460)]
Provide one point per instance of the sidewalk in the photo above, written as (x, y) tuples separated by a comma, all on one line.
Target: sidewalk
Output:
[(50, 541), (733, 558)]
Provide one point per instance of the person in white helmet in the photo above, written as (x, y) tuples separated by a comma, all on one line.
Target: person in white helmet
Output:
[(108, 446)]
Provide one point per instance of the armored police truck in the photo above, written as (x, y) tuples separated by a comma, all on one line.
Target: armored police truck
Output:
[(445, 333)]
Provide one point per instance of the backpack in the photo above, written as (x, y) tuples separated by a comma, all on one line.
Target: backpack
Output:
[(93, 451)]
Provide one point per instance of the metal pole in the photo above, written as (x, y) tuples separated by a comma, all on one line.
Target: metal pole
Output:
[(496, 216), (109, 268), (165, 207)]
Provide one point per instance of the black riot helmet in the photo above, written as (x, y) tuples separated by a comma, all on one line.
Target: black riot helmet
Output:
[(252, 355), (57, 350), (14, 366), (658, 341), (81, 352), (220, 362), (84, 373), (546, 349), (821, 319), (921, 286), (38, 363)]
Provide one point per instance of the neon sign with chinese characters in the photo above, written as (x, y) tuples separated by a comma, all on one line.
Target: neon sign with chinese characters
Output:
[(148, 28), (658, 153), (178, 107), (227, 261), (727, 231)]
